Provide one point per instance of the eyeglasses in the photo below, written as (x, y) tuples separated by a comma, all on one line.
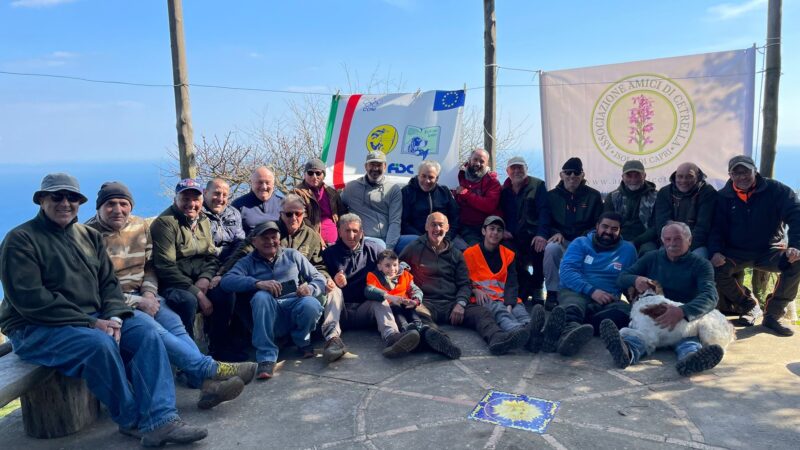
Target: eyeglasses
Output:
[(572, 173), (741, 173), (292, 213), (315, 173), (71, 197)]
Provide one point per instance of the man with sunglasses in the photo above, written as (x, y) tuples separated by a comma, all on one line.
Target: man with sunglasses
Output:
[(748, 232), (574, 208), (63, 308), (323, 203)]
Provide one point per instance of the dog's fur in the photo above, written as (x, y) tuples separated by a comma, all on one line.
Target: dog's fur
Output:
[(711, 328)]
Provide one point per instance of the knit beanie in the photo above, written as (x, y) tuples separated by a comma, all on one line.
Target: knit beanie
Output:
[(113, 189), (573, 164)]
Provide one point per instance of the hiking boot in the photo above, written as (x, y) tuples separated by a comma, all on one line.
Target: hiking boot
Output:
[(265, 370), (776, 326), (552, 330), (749, 318), (551, 301), (132, 432), (703, 359), (503, 341), (609, 333), (215, 392), (398, 344), (334, 349), (534, 343), (441, 343), (176, 432), (246, 371), (574, 338), (308, 352)]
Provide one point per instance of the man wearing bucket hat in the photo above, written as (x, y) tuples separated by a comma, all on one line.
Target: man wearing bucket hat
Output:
[(63, 308), (748, 232)]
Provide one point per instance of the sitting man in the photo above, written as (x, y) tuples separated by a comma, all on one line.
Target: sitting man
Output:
[(589, 291), (747, 232), (635, 200), (477, 195), (443, 277), (686, 278), (323, 203), (350, 259), (574, 209), (128, 243), (492, 270), (262, 203), (226, 221), (285, 303), (377, 202), (63, 308)]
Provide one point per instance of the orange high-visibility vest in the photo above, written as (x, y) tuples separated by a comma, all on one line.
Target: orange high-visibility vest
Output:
[(493, 284), (400, 289)]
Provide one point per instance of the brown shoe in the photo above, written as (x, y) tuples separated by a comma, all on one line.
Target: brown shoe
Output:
[(334, 349), (215, 392)]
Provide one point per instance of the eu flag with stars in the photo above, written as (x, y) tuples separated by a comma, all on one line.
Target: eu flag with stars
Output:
[(448, 100)]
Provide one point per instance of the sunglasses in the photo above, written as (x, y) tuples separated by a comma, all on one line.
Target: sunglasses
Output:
[(315, 173), (292, 213), (572, 173), (71, 197)]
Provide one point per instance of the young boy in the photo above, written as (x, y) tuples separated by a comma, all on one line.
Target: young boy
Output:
[(393, 283)]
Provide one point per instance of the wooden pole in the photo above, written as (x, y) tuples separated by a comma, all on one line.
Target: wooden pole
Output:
[(180, 77), (490, 59), (771, 84)]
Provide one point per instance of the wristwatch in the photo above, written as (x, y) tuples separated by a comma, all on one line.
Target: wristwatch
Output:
[(116, 319), (462, 303)]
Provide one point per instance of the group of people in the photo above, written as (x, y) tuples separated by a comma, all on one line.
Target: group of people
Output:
[(115, 300)]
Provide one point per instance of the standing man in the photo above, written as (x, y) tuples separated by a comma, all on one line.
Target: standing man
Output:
[(63, 308), (378, 203), (574, 209), (747, 232), (323, 203), (477, 195), (226, 221), (262, 203), (635, 200), (527, 213)]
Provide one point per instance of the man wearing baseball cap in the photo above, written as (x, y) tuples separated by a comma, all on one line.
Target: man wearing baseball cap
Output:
[(635, 200), (748, 232)]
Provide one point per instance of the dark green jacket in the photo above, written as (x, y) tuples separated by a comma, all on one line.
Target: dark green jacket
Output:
[(689, 280), (694, 208), (181, 255), (574, 214), (55, 276), (443, 278), (638, 212)]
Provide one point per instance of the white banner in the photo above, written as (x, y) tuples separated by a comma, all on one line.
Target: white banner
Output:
[(408, 128), (662, 112)]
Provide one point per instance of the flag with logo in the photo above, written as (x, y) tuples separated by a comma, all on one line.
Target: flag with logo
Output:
[(407, 128), (662, 112)]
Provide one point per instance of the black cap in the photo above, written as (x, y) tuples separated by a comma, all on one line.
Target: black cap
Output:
[(264, 227), (573, 164), (112, 189)]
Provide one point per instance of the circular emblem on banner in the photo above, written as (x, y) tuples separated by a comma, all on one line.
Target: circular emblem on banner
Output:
[(382, 138), (644, 116)]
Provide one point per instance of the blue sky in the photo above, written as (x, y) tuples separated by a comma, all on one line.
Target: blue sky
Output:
[(312, 46)]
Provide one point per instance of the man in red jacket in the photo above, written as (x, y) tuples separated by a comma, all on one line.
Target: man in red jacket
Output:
[(477, 195)]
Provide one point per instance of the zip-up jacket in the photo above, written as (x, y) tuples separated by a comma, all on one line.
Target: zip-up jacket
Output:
[(226, 230), (255, 212), (443, 277), (481, 200), (288, 265), (574, 214), (694, 208), (418, 205), (638, 212), (527, 213), (355, 264)]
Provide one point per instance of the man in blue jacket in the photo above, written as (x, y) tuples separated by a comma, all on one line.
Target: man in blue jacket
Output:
[(588, 290)]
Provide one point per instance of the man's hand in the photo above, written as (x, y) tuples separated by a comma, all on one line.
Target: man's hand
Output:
[(509, 308), (304, 290), (394, 299), (271, 286), (557, 238), (461, 190), (340, 279), (718, 259), (481, 298), (457, 315), (149, 304), (602, 297), (203, 284), (215, 281), (110, 327), (538, 243), (792, 255), (670, 318), (643, 283), (409, 303), (206, 307), (329, 285)]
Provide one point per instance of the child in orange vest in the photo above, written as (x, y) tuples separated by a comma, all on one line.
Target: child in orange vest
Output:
[(393, 284)]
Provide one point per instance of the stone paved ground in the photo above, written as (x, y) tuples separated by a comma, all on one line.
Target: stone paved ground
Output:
[(752, 399)]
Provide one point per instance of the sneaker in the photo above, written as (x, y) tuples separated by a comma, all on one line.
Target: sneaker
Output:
[(776, 326), (441, 343), (609, 333), (308, 352), (572, 341), (176, 432), (246, 371), (265, 370), (215, 392), (552, 330), (503, 341), (551, 301), (749, 318), (334, 349), (703, 359), (534, 343), (398, 344)]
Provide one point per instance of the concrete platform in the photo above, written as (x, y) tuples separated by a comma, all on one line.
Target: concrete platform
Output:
[(751, 400)]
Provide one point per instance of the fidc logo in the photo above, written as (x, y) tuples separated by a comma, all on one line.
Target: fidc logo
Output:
[(401, 169)]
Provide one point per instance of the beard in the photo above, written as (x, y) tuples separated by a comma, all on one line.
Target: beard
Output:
[(607, 239)]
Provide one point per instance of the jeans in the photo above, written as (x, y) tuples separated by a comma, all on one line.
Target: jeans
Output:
[(181, 349), (296, 316), (184, 304), (638, 348), (507, 321), (144, 399)]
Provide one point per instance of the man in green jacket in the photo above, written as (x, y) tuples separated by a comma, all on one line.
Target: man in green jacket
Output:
[(635, 200), (63, 308)]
